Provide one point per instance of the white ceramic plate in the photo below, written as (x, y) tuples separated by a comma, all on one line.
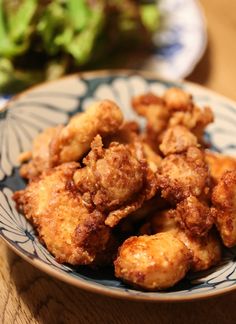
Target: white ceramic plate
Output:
[(181, 41)]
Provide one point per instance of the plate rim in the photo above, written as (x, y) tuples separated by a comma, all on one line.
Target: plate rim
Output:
[(98, 288), (204, 32)]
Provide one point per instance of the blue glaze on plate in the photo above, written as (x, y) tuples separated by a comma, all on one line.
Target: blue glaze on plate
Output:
[(181, 41)]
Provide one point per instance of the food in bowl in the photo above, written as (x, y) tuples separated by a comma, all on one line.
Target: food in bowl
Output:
[(102, 191)]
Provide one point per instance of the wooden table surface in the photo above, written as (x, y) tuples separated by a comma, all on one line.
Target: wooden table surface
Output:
[(29, 296)]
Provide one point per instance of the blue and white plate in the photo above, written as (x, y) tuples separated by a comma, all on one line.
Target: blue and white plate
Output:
[(181, 41), (53, 103)]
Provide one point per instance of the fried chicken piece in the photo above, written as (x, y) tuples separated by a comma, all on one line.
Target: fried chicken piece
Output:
[(177, 100), (224, 200), (195, 217), (195, 120), (57, 145), (116, 180), (144, 104), (153, 109), (39, 156), (153, 262), (73, 141), (219, 163), (153, 159), (182, 175), (206, 251), (186, 113), (177, 139), (176, 107), (70, 232)]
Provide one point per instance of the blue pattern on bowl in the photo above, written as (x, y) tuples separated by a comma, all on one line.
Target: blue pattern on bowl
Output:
[(181, 41), (54, 103)]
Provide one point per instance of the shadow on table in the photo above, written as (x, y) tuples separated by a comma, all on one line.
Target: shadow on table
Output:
[(52, 301)]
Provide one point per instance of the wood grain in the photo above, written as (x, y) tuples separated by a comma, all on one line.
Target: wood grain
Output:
[(30, 296)]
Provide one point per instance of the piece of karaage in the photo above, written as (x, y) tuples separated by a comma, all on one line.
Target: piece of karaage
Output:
[(219, 163), (69, 230), (74, 140), (177, 139), (183, 175), (176, 107), (69, 143), (194, 216), (224, 201), (39, 159), (115, 180), (152, 262), (206, 251)]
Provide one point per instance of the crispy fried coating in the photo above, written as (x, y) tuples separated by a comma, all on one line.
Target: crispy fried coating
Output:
[(176, 107), (39, 155), (57, 145), (206, 251), (115, 180), (182, 175), (154, 110), (224, 200), (70, 232), (148, 101), (152, 262), (153, 159), (195, 120), (177, 100), (194, 216), (177, 139), (73, 141), (219, 163)]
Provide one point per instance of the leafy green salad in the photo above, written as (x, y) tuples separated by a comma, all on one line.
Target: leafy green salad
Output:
[(44, 39)]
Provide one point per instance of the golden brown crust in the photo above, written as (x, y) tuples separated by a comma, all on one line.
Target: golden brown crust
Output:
[(194, 216), (182, 175), (176, 107), (152, 262), (153, 159), (219, 164), (70, 232), (177, 139), (177, 100), (206, 251), (195, 120), (153, 109), (69, 143), (74, 140), (224, 200), (115, 180), (74, 206), (40, 159)]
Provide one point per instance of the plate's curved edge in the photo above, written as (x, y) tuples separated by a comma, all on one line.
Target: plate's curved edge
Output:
[(120, 72), (163, 63), (203, 48), (96, 288)]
